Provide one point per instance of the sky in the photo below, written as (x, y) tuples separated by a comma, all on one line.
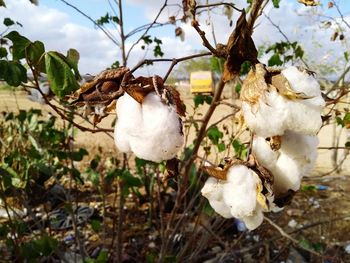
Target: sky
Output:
[(61, 27)]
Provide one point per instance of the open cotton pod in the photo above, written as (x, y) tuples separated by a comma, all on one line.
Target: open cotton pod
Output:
[(148, 121), (237, 193), (295, 159), (276, 101)]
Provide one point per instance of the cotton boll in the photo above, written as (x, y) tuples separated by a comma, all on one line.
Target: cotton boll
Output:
[(212, 190), (262, 151), (268, 117), (255, 220), (302, 81), (239, 193), (295, 158), (152, 130), (129, 122), (301, 148), (305, 113), (287, 174)]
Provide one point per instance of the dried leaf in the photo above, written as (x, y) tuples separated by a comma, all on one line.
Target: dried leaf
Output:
[(283, 87), (240, 48), (216, 172), (172, 168), (275, 142), (309, 2), (254, 85)]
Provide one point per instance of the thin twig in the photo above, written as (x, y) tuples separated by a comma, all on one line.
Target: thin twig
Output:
[(288, 236), (148, 28)]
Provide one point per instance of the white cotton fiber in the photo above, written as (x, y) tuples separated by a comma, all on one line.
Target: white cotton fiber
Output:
[(255, 220), (267, 117), (240, 191), (212, 190), (295, 159), (237, 196), (274, 113), (151, 130)]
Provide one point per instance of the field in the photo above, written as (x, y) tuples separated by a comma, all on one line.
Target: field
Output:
[(318, 217)]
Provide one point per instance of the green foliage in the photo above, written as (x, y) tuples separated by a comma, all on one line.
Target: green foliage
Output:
[(12, 72), (276, 3), (214, 135), (241, 150), (345, 121), (157, 50), (38, 150), (106, 19), (62, 74), (8, 21), (199, 99), (39, 248), (19, 44), (284, 52)]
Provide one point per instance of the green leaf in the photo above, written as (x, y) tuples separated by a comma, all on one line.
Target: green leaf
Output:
[(240, 150), (60, 74), (2, 3), (129, 180), (347, 144), (19, 44), (207, 209), (198, 100), (276, 3), (8, 22), (214, 134), (208, 99), (3, 52), (299, 52), (96, 226), (275, 60), (309, 187), (339, 121), (346, 56), (35, 55), (238, 88), (12, 72), (73, 55), (221, 147), (102, 257), (78, 155)]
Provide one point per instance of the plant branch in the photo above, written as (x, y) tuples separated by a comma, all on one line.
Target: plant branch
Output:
[(148, 28)]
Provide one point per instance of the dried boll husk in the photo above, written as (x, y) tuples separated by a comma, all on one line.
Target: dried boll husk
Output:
[(273, 101), (151, 130)]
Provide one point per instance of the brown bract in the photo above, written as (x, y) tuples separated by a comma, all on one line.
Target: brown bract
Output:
[(140, 87), (99, 95), (261, 79), (309, 2), (240, 48)]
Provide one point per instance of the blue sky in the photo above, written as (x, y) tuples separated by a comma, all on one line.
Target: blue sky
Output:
[(60, 27)]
